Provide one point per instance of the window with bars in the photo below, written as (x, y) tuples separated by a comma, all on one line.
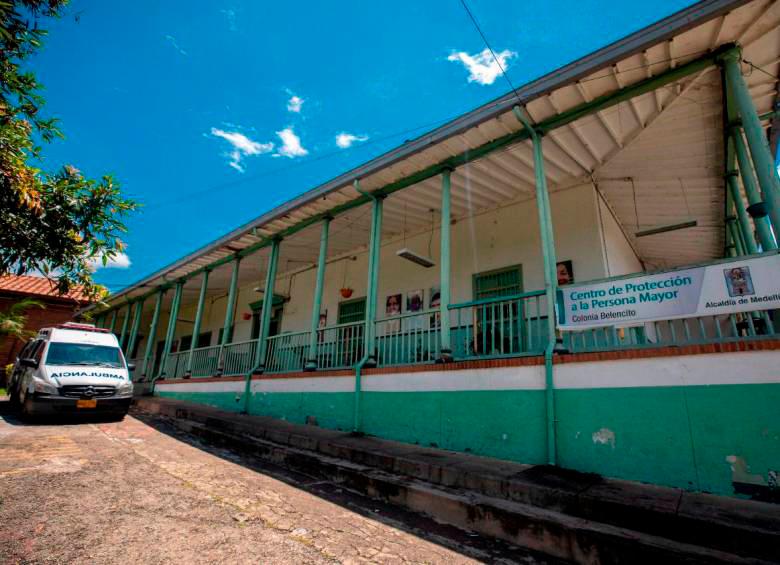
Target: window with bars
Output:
[(352, 311), (496, 329), (501, 282)]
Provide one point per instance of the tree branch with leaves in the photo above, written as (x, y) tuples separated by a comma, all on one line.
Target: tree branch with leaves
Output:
[(56, 224)]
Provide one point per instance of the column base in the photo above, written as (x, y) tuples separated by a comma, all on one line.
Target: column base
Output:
[(258, 370), (370, 363), (445, 356), (310, 365)]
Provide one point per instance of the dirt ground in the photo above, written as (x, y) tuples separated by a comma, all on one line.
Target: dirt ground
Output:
[(137, 491)]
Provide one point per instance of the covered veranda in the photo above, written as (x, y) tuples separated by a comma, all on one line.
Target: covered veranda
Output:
[(667, 128)]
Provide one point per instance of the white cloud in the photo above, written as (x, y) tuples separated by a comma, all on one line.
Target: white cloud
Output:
[(118, 261), (482, 67), (242, 147), (345, 139), (172, 40), (291, 144), (231, 18), (294, 104)]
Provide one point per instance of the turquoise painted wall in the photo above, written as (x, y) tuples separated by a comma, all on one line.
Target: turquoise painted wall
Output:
[(504, 424), (673, 436)]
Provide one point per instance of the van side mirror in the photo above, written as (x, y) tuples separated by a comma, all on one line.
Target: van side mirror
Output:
[(131, 367), (29, 362)]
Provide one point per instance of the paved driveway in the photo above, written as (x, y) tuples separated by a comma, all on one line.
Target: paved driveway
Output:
[(139, 492)]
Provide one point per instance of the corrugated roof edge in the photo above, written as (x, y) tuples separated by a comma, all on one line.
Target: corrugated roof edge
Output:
[(636, 42)]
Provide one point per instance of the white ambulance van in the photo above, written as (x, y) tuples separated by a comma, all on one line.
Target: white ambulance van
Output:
[(72, 368)]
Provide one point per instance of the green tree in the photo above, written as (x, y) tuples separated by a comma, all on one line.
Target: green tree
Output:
[(55, 223), (14, 320)]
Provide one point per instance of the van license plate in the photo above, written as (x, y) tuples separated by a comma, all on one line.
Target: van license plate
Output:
[(86, 403)]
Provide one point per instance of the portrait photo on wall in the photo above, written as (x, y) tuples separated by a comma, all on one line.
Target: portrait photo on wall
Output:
[(393, 308), (414, 301), (321, 324), (565, 272), (434, 301)]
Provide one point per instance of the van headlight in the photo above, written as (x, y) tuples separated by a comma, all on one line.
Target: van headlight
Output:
[(125, 388), (44, 387)]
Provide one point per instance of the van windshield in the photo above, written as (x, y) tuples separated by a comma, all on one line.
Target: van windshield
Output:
[(83, 354)]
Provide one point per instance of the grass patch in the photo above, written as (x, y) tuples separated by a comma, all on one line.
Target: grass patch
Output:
[(3, 391)]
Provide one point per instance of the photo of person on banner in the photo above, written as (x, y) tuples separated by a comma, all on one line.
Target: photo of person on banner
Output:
[(738, 281)]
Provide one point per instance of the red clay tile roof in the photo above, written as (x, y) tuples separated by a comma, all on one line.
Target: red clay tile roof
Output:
[(37, 286)]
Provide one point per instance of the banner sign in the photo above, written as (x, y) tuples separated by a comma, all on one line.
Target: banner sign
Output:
[(742, 285)]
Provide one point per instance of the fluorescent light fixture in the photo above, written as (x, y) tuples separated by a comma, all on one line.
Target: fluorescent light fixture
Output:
[(666, 228), (410, 255)]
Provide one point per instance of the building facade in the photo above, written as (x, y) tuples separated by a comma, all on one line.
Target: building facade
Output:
[(583, 273)]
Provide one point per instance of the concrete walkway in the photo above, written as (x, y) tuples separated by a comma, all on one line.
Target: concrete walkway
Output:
[(566, 514), (141, 491)]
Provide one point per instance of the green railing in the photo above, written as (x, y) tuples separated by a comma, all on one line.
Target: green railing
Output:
[(408, 339), (205, 361), (176, 364), (238, 358), (696, 330), (505, 326), (287, 352), (340, 346)]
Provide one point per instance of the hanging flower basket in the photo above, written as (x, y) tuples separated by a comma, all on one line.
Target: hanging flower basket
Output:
[(346, 292)]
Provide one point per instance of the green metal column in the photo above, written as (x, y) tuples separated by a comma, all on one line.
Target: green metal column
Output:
[(759, 148), (736, 237), (739, 149), (227, 332), (227, 327), (760, 218), (139, 306), (444, 275), (113, 320), (375, 242), (550, 278), (150, 340), (268, 304), (125, 325), (311, 359), (169, 335), (742, 216), (204, 284)]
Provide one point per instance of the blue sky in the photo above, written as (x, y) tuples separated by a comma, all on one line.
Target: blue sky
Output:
[(211, 113)]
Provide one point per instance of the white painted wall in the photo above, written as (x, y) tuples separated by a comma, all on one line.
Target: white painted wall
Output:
[(619, 256)]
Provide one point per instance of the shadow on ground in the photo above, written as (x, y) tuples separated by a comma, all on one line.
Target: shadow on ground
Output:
[(469, 544)]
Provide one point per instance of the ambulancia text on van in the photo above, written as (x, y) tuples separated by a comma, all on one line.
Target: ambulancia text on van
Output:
[(72, 368)]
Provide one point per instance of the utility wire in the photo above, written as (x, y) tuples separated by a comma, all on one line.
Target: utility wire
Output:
[(487, 43), (753, 66)]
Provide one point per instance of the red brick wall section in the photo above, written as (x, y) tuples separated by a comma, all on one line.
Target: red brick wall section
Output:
[(56, 312)]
